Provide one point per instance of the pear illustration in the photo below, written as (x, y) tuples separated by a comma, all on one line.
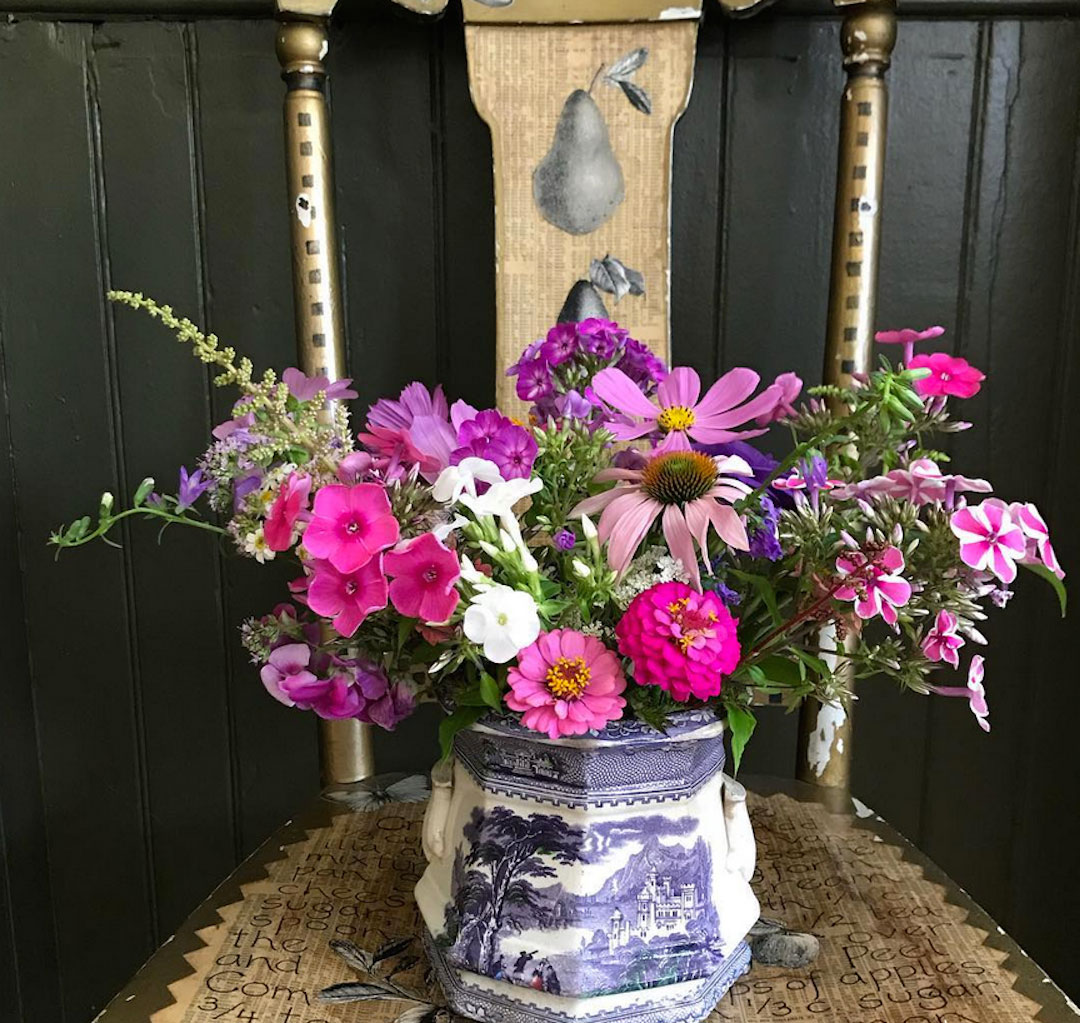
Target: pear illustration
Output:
[(583, 303), (579, 184)]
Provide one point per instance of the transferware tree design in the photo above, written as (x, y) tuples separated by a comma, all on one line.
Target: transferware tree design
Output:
[(497, 893)]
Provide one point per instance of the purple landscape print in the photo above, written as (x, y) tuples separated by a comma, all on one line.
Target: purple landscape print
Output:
[(649, 923)]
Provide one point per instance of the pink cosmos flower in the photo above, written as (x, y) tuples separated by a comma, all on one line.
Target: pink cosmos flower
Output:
[(876, 587), (949, 375), (286, 511), (1039, 548), (350, 525), (680, 640), (678, 414), (347, 598), (424, 572), (907, 337), (990, 540), (790, 385), (566, 684), (689, 490), (974, 692), (942, 643)]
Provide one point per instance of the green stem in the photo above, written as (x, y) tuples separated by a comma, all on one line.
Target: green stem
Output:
[(107, 524)]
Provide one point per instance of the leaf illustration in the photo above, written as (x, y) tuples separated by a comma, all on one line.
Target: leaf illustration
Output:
[(392, 948), (638, 97), (627, 64), (353, 955), (616, 278), (403, 965), (637, 281), (424, 1014), (356, 991)]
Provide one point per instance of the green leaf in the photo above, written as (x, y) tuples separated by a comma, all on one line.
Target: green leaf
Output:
[(741, 724), (815, 664), (781, 670), (450, 726), (405, 628), (764, 587), (490, 692), (1053, 580), (77, 530)]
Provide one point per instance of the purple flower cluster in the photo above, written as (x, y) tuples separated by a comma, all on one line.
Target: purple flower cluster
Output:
[(554, 372), (492, 436)]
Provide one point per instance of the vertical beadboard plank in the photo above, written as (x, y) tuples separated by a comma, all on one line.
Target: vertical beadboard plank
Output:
[(1017, 269), (1038, 358), (697, 192), (381, 92), (931, 88), (64, 446), (141, 70), (249, 304)]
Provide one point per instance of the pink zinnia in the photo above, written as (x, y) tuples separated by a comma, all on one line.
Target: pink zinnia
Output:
[(424, 572), (291, 502), (942, 643), (350, 525), (876, 585), (566, 684), (989, 539), (678, 414), (688, 490), (680, 640), (907, 337), (949, 375), (347, 597), (973, 692)]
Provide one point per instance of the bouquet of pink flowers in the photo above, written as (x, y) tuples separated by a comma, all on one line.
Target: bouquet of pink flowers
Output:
[(627, 552)]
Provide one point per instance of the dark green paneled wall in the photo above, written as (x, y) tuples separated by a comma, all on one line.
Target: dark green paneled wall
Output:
[(139, 756)]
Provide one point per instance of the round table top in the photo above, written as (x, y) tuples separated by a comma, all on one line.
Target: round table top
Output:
[(900, 942)]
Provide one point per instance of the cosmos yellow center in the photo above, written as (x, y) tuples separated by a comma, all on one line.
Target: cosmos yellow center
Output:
[(568, 678), (679, 477), (678, 417), (692, 625)]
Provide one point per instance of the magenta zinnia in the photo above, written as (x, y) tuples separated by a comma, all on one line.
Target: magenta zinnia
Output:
[(688, 489), (566, 683), (680, 640)]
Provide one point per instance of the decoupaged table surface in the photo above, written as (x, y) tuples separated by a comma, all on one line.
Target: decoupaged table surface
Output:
[(900, 943)]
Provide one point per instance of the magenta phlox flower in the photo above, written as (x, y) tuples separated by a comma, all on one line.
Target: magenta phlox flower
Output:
[(1039, 548), (875, 585), (347, 598), (191, 488), (942, 642), (424, 572), (974, 692), (990, 540), (641, 365), (493, 436), (350, 525), (305, 388), (907, 337), (949, 375), (561, 344), (287, 511), (683, 641), (534, 380), (678, 415), (790, 385), (566, 683), (601, 338)]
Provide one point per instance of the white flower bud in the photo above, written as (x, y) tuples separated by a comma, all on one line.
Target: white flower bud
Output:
[(580, 568), (507, 541), (587, 528), (489, 549), (106, 503)]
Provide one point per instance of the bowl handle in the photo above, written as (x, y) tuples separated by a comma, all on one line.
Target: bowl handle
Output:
[(742, 850), (438, 811)]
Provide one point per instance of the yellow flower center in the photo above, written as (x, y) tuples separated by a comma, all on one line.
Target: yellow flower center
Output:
[(568, 678), (693, 625), (678, 477), (678, 417)]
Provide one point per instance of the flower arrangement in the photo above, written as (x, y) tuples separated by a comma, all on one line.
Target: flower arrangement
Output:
[(627, 552)]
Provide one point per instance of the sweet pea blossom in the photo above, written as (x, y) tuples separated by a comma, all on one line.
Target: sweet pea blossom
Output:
[(305, 388), (942, 643), (350, 525), (949, 375), (423, 571), (502, 620), (990, 541), (973, 692), (286, 511), (347, 597), (286, 675), (907, 337), (678, 414), (876, 585)]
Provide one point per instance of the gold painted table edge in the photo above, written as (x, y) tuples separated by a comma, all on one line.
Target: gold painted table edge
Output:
[(148, 991)]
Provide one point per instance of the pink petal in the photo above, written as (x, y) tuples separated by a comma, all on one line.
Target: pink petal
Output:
[(627, 526), (680, 387), (728, 525), (617, 389), (681, 544), (764, 402), (729, 390)]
